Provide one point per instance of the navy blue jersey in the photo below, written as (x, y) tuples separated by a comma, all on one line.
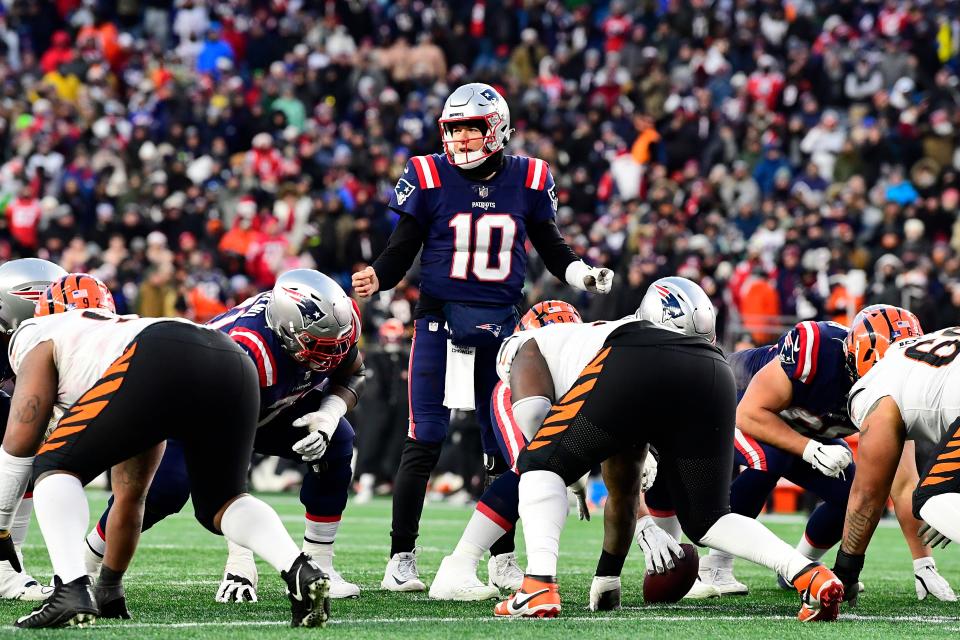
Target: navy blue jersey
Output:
[(475, 230), (813, 357), (283, 380)]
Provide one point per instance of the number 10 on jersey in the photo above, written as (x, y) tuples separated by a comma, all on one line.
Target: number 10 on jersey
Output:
[(481, 234)]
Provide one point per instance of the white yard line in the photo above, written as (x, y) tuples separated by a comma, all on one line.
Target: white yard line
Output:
[(575, 618)]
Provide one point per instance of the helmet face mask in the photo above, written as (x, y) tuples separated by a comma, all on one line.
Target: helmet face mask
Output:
[(479, 106), (315, 320)]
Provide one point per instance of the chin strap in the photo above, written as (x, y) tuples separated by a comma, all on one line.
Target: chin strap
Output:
[(484, 170)]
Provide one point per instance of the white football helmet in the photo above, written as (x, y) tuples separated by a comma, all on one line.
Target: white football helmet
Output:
[(481, 104), (680, 305), (315, 320), (22, 282)]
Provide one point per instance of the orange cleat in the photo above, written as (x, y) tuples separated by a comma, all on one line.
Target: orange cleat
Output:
[(820, 592), (536, 599)]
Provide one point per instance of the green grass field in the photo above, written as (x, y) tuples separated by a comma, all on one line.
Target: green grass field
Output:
[(171, 584)]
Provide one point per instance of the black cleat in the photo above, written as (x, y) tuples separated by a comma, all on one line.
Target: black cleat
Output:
[(112, 601), (308, 588), (71, 605)]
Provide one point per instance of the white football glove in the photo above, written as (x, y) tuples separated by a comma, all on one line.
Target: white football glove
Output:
[(579, 491), (828, 459), (321, 425), (928, 581), (236, 588), (586, 278), (932, 538), (656, 545), (649, 474)]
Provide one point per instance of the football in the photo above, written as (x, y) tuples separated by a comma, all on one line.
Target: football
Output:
[(674, 584)]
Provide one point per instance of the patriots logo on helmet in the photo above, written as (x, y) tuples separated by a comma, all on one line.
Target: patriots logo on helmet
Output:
[(489, 95), (309, 309), (403, 190), (30, 293), (671, 305), (492, 328)]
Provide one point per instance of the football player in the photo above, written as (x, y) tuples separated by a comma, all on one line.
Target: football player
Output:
[(905, 392), (496, 511), (679, 305), (118, 388), (302, 336), (792, 419), (470, 210), (577, 373), (21, 284)]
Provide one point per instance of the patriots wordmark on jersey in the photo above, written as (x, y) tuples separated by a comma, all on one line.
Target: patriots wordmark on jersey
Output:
[(476, 231)]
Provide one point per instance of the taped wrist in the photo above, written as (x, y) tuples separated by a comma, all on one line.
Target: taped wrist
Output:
[(14, 477), (333, 407), (576, 272)]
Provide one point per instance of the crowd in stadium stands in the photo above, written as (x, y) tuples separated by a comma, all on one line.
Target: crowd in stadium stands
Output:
[(797, 158)]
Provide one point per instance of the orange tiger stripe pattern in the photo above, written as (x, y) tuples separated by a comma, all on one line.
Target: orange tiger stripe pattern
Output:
[(561, 414), (946, 463), (79, 416)]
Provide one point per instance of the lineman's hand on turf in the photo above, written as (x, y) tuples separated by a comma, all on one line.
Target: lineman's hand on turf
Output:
[(8, 552), (365, 282), (657, 546), (848, 567), (579, 491), (236, 588)]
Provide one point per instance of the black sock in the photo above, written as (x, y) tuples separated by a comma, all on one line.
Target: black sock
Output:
[(504, 544), (416, 463), (109, 577), (610, 565)]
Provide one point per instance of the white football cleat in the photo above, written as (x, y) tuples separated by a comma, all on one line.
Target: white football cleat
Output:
[(604, 593), (21, 586), (401, 573), (92, 562), (928, 581), (701, 591), (504, 573), (340, 588), (723, 579), (456, 579), (323, 554)]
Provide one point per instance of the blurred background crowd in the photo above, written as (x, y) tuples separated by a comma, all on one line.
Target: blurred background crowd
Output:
[(797, 158)]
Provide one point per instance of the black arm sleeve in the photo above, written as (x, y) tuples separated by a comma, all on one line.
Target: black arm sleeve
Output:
[(546, 239), (402, 248)]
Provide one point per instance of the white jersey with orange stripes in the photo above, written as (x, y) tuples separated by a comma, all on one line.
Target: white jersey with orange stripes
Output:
[(568, 348), (85, 343), (922, 375)]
